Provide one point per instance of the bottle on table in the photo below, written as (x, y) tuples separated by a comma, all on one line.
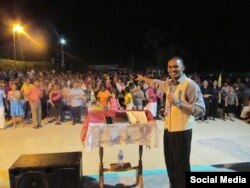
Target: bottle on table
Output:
[(120, 158)]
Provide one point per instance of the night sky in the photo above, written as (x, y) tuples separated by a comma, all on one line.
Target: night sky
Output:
[(209, 35)]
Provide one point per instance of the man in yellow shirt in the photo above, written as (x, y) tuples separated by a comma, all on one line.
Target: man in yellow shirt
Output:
[(184, 102), (25, 89)]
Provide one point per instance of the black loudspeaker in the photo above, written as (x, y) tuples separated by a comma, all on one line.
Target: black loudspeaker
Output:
[(50, 170)]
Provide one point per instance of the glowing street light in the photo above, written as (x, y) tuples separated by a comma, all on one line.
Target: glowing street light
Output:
[(19, 29), (62, 42)]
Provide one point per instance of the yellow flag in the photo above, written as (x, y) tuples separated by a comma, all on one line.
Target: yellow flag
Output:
[(219, 80)]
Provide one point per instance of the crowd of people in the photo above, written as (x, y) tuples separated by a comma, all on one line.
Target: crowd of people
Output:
[(28, 97), (35, 95), (226, 101)]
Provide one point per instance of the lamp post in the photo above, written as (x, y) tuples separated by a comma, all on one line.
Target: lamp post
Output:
[(62, 41), (16, 28)]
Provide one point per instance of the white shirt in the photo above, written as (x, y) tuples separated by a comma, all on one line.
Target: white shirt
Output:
[(2, 95), (76, 101)]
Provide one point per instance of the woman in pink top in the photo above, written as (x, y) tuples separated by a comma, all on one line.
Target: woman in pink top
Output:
[(56, 102), (113, 102), (152, 100)]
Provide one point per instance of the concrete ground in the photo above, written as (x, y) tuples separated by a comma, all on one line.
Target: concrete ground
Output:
[(216, 142)]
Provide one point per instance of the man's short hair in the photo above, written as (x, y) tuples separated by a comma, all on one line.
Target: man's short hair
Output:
[(177, 59)]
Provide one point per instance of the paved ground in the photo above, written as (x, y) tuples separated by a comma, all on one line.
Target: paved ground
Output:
[(216, 142)]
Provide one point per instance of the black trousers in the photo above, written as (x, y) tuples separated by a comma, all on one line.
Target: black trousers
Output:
[(207, 104), (76, 114), (57, 111), (214, 108), (27, 110), (177, 147)]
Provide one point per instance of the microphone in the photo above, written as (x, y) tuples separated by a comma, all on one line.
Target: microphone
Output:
[(179, 98), (179, 95), (170, 95)]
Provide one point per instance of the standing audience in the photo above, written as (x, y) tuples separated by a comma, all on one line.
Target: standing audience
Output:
[(97, 88), (128, 99), (56, 102), (231, 102), (16, 106), (35, 96), (103, 97), (25, 89), (206, 93), (2, 99), (215, 99), (76, 97)]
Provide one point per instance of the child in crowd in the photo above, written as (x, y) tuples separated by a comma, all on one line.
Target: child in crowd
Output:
[(113, 102)]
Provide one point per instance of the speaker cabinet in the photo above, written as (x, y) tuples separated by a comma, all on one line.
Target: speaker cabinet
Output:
[(50, 170)]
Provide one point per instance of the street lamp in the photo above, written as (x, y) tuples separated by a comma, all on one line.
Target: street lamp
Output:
[(62, 41), (16, 28)]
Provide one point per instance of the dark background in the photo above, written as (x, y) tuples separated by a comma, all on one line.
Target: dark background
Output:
[(209, 35)]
